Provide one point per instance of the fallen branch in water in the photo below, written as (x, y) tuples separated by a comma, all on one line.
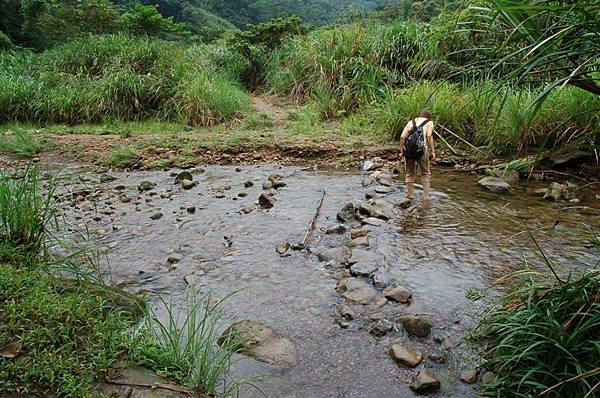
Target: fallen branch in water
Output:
[(460, 138), (311, 226)]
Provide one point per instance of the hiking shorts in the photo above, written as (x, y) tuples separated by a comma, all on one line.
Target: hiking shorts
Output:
[(411, 167)]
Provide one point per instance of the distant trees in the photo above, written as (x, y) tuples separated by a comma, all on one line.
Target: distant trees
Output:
[(146, 20)]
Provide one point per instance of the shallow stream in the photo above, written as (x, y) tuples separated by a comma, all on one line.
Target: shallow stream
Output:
[(462, 242)]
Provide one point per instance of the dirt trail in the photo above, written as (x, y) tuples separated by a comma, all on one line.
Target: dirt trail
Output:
[(272, 106)]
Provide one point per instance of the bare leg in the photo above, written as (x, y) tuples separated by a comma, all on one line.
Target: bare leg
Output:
[(411, 166)]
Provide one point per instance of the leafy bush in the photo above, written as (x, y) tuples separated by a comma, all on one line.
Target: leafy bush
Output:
[(546, 337)]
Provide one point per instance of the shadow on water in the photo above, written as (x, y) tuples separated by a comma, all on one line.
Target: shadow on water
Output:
[(463, 240)]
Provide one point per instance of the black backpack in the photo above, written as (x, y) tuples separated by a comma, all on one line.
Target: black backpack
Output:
[(414, 146)]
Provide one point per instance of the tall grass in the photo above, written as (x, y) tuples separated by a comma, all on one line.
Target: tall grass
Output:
[(546, 339), (101, 78), (500, 119), (26, 212), (21, 142), (344, 67), (184, 345)]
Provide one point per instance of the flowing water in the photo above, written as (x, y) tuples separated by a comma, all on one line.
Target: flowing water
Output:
[(461, 242)]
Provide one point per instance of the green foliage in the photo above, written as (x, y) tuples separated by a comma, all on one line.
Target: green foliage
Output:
[(146, 20), (497, 117), (185, 345), (544, 336), (95, 79), (345, 67), (20, 142), (5, 42), (257, 42), (26, 214), (123, 156), (68, 334)]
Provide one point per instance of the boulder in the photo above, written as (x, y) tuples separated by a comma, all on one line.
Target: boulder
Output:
[(260, 342), (267, 185), (362, 256), (425, 382), (339, 255), (469, 376), (405, 357), (347, 214), (373, 211), (357, 290), (416, 325), (571, 158), (398, 294), (495, 185), (267, 200)]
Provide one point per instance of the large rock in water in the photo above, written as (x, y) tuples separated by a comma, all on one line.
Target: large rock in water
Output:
[(398, 294), (357, 290), (338, 255), (405, 357), (260, 342), (266, 200), (495, 184), (416, 325), (425, 382)]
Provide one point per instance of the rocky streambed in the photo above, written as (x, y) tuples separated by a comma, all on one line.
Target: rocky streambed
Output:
[(379, 300)]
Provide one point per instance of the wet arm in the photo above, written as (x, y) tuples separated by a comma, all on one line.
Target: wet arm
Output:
[(431, 142)]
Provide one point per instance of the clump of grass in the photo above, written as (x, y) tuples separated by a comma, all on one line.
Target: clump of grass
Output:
[(20, 142), (260, 121), (61, 337), (546, 339), (124, 156), (26, 214), (184, 346), (305, 121)]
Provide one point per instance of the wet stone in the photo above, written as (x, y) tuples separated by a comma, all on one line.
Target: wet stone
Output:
[(156, 216), (146, 186), (182, 176), (425, 382), (339, 255), (347, 312), (380, 329), (282, 248), (373, 211), (242, 194), (347, 214), (372, 221), (267, 200), (357, 290), (248, 184), (384, 189), (360, 232), (336, 229), (362, 256), (495, 185), (398, 294), (261, 342), (437, 358), (363, 269), (174, 258), (404, 203), (469, 376), (191, 209), (267, 185), (405, 357), (219, 195), (107, 178), (187, 184), (416, 325), (362, 241)]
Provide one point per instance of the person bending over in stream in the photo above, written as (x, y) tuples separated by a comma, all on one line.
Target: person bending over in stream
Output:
[(417, 146)]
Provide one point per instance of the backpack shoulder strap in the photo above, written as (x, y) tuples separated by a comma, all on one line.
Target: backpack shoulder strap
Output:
[(414, 122), (424, 122)]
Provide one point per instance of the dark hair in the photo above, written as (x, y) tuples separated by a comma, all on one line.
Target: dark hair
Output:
[(426, 115)]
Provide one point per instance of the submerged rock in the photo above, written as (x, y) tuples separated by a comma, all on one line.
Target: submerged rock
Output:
[(495, 185), (363, 269), (282, 248), (248, 184), (156, 216), (184, 175), (187, 184), (405, 357), (336, 229), (557, 191), (425, 382), (260, 342), (380, 329), (510, 176), (416, 325), (357, 290)]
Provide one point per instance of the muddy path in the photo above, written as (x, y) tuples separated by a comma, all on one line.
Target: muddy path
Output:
[(162, 239)]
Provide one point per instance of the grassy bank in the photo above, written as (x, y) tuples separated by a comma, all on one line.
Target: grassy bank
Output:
[(64, 330)]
